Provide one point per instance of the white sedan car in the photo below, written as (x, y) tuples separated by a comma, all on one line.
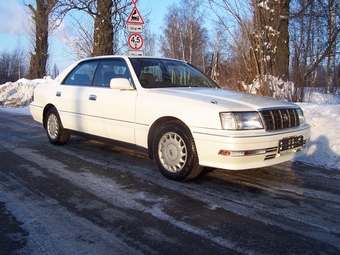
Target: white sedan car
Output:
[(183, 119)]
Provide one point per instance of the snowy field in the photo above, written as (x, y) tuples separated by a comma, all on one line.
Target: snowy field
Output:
[(322, 113)]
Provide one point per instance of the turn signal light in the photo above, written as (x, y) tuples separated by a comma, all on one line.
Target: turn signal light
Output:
[(241, 153)]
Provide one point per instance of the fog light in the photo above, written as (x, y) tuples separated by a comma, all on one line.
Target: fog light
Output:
[(241, 153)]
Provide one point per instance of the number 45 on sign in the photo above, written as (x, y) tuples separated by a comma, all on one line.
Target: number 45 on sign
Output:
[(135, 41)]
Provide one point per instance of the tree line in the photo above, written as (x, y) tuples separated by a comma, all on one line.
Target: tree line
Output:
[(292, 40), (13, 65)]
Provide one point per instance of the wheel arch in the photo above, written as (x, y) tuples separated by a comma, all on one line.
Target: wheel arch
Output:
[(154, 127), (46, 109)]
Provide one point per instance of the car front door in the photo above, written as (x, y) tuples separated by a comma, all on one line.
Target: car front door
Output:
[(111, 112)]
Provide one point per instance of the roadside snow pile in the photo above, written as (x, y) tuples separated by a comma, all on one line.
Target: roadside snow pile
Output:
[(281, 90), (284, 90), (321, 98), (324, 146), (17, 94)]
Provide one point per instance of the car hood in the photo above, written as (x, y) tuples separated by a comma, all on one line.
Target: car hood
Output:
[(231, 100)]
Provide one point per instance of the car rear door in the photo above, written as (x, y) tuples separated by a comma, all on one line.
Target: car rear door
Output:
[(72, 96)]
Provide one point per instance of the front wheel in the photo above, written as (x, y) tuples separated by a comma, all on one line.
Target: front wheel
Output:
[(174, 152), (54, 129)]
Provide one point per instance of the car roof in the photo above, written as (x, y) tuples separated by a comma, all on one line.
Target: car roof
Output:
[(129, 57)]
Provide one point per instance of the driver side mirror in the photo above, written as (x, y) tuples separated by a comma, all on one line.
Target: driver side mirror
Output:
[(121, 84)]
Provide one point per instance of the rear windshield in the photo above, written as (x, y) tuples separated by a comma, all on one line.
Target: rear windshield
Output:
[(162, 73)]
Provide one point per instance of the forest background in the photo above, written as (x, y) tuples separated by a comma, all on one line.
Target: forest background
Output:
[(257, 46)]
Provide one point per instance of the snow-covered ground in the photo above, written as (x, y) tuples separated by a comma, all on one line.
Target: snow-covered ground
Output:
[(322, 113)]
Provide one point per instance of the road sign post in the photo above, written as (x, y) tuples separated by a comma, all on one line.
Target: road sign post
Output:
[(135, 24)]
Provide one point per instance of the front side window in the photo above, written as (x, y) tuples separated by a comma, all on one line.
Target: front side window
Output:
[(160, 73), (82, 75), (109, 69)]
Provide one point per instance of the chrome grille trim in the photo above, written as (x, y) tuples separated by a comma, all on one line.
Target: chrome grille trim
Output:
[(271, 153), (272, 156), (273, 149), (274, 119)]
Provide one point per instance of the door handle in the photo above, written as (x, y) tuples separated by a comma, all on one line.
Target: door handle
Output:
[(58, 94), (93, 97)]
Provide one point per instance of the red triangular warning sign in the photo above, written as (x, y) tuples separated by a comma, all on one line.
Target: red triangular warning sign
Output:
[(135, 17)]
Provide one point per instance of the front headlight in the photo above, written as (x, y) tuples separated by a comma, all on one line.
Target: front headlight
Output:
[(240, 120), (301, 116)]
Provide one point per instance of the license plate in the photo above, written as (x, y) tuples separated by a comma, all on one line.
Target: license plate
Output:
[(290, 144)]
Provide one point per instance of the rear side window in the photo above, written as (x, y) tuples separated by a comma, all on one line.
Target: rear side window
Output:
[(82, 75)]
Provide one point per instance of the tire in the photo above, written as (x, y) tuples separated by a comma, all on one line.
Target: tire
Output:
[(54, 129), (174, 152)]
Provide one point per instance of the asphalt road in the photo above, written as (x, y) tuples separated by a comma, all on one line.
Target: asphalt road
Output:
[(88, 197)]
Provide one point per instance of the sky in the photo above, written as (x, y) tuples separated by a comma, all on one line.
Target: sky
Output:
[(14, 28)]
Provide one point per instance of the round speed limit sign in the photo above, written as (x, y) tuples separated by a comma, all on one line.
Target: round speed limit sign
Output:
[(135, 41)]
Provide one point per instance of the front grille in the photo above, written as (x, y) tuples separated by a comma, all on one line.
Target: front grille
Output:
[(280, 118)]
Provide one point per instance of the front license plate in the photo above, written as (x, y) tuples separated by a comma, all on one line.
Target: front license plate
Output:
[(290, 144)]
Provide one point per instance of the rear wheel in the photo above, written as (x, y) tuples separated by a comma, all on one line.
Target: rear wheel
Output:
[(174, 152), (54, 129)]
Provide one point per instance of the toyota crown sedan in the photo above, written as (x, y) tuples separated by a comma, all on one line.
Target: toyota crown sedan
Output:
[(183, 119)]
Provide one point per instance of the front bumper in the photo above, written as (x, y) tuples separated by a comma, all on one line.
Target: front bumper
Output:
[(210, 144)]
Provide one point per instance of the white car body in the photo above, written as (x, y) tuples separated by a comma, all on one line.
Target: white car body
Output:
[(131, 114)]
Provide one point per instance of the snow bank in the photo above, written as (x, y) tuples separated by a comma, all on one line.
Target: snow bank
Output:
[(321, 98), (17, 94), (281, 90), (324, 147), (321, 112), (284, 90)]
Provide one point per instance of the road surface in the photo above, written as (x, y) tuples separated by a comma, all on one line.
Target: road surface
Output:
[(87, 197)]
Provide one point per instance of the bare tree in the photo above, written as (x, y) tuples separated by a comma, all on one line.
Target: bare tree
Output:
[(149, 43), (314, 32), (5, 67), (185, 37), (108, 17), (259, 35), (39, 56), (80, 39), (12, 65), (239, 67), (236, 18), (333, 29), (271, 37), (103, 29)]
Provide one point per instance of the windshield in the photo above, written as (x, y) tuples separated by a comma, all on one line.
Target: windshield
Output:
[(162, 73)]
